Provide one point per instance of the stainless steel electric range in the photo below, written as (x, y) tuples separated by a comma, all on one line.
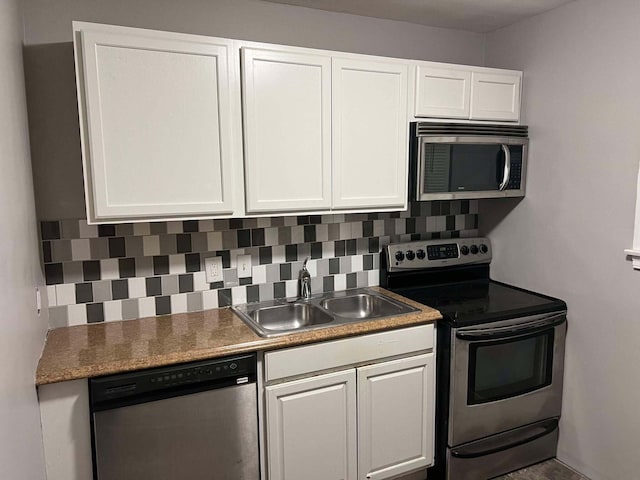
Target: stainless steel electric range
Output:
[(500, 357)]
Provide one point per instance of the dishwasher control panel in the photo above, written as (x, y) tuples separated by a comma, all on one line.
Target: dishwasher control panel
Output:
[(225, 371)]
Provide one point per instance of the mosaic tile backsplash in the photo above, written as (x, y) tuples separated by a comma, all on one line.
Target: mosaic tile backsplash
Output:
[(98, 273)]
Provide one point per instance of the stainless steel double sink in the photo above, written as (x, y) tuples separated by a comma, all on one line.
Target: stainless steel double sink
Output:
[(281, 317)]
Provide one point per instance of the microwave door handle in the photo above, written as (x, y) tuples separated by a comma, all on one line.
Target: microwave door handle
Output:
[(507, 167)]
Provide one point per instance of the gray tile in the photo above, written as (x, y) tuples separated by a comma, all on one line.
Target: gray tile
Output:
[(362, 279), (250, 223), (124, 229), (169, 285), (199, 242), (322, 267), (99, 248), (273, 273), (144, 266), (58, 317), (334, 266), (70, 228), (285, 271), (284, 235), (120, 289), (277, 221), (194, 302), (168, 245), (61, 250), (134, 246), (317, 285), (50, 230), (158, 228), (253, 293), (230, 276), (229, 240), (279, 290), (95, 312), (266, 291), (220, 225), (185, 283), (130, 309), (84, 293), (328, 284), (102, 291), (334, 231), (72, 272)]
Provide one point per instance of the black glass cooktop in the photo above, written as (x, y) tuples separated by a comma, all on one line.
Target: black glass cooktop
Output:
[(480, 301)]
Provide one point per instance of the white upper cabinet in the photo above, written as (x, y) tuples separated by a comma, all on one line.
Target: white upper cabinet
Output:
[(370, 133), (177, 126), (467, 93), (287, 127), (442, 92), (495, 96), (157, 123)]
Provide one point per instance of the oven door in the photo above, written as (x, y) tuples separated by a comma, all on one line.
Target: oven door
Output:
[(505, 374)]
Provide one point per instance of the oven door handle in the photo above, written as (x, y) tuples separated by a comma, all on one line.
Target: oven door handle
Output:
[(514, 441), (507, 332)]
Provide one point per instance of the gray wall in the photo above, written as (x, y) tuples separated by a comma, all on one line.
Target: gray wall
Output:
[(568, 235), (51, 83), (21, 330)]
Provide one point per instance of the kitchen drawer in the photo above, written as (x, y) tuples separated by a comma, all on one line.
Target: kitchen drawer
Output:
[(307, 359)]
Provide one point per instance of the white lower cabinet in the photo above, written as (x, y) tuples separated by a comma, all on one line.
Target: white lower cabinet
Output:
[(373, 419), (395, 417), (311, 428)]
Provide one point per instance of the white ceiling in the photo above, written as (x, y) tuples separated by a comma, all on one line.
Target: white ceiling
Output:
[(473, 15)]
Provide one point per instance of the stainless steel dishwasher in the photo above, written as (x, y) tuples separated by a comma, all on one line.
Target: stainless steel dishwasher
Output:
[(195, 421)]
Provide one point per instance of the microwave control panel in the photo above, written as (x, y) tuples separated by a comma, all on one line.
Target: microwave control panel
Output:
[(437, 253)]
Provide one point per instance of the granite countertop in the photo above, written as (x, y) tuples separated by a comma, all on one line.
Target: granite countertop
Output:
[(92, 350)]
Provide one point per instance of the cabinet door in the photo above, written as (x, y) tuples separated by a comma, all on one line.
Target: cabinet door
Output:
[(495, 96), (157, 123), (370, 128), (287, 102), (311, 428), (442, 92), (395, 417)]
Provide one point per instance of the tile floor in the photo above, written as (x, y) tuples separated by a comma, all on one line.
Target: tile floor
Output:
[(549, 470)]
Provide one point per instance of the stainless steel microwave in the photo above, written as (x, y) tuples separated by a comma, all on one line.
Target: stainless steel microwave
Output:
[(461, 161)]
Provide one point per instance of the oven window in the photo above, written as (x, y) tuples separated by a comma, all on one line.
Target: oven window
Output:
[(508, 368)]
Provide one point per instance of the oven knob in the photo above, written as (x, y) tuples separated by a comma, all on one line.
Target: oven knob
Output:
[(483, 248), (474, 249), (420, 254), (464, 250), (399, 256), (410, 255)]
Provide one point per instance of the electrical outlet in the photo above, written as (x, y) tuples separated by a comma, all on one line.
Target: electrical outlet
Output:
[(244, 266), (213, 269)]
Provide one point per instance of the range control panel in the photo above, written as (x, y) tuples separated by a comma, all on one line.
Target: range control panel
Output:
[(437, 253)]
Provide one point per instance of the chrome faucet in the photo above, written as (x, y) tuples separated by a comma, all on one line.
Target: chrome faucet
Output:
[(305, 281)]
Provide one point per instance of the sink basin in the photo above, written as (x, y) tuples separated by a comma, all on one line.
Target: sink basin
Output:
[(279, 317), (292, 316), (363, 306)]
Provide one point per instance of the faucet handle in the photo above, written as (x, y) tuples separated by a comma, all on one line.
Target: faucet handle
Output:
[(304, 264)]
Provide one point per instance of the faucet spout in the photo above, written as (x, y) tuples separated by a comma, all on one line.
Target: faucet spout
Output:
[(305, 281)]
